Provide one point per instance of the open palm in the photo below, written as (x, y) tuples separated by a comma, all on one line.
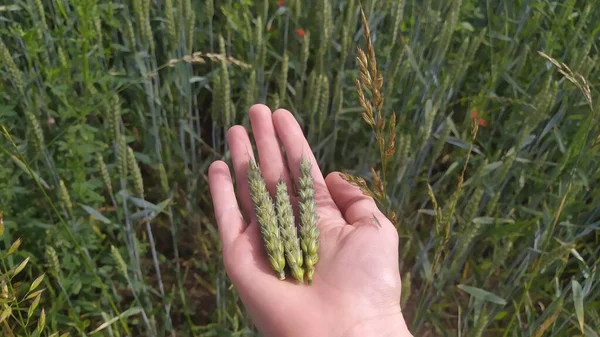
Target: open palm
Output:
[(356, 286)]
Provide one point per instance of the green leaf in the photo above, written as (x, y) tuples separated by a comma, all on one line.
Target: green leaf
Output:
[(585, 269), (486, 220), (9, 8), (482, 294), (29, 171), (143, 204), (493, 166), (467, 26), (76, 288), (126, 313), (578, 301), (462, 144), (590, 332), (95, 214)]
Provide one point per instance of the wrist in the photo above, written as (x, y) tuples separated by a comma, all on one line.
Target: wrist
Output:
[(382, 326)]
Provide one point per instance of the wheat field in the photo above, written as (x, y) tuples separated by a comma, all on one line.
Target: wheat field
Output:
[(474, 124)]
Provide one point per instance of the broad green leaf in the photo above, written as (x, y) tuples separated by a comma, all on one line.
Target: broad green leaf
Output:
[(578, 301), (95, 214), (482, 294), (76, 288)]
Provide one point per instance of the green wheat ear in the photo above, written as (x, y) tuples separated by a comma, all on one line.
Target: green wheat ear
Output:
[(291, 243), (267, 219), (309, 232)]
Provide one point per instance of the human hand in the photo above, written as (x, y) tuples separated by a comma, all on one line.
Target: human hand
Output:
[(356, 286)]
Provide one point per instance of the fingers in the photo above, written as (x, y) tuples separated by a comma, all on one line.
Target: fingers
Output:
[(229, 218), (241, 152), (272, 164), (356, 207), (296, 146)]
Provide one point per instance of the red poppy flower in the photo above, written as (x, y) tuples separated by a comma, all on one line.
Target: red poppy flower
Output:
[(281, 3), (480, 120), (300, 32)]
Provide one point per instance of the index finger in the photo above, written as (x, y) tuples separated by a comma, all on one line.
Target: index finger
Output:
[(227, 213)]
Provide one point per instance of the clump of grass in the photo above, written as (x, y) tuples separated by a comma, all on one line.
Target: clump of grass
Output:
[(17, 298), (309, 232), (266, 216)]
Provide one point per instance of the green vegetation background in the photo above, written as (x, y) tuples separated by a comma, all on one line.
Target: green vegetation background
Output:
[(111, 112)]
